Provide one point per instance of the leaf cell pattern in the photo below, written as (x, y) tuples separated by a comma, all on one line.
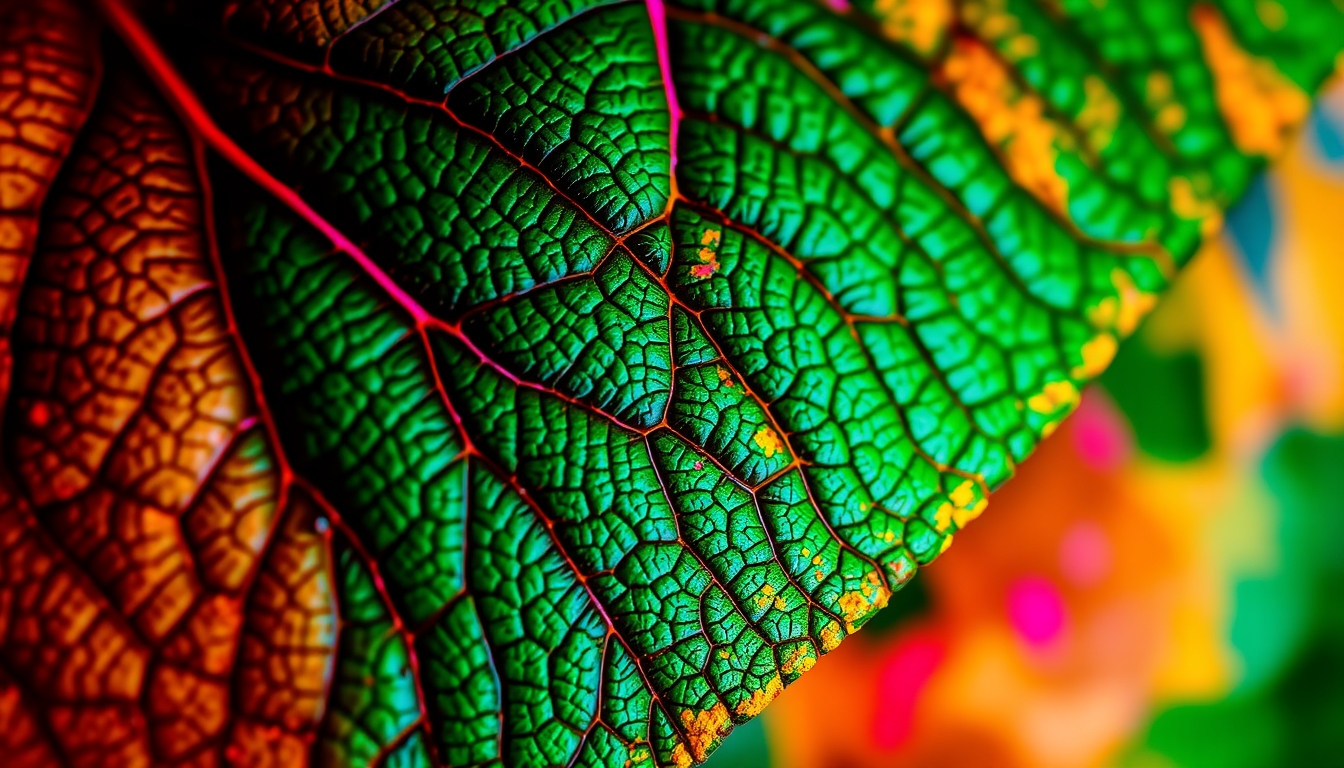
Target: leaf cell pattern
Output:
[(551, 382)]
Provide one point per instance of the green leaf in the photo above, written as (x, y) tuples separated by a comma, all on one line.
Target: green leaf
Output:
[(604, 364)]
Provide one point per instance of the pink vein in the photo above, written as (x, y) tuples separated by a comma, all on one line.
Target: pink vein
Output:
[(658, 17), (168, 78)]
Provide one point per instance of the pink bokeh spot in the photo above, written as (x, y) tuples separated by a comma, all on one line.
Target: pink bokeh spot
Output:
[(1036, 610), (900, 683), (1100, 433), (1085, 554)]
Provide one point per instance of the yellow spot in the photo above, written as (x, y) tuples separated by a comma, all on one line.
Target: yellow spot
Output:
[(888, 537), (767, 589), (1123, 311), (710, 237), (768, 441), (1056, 395), (857, 605), (1192, 203), (1097, 354), (725, 654), (800, 660), (964, 505), (807, 552), (1013, 121), (1271, 14), (680, 757), (1100, 113), (704, 729), (1260, 105), (816, 560), (920, 24), (963, 494), (943, 517), (819, 575), (830, 637), (1168, 114), (991, 20), (639, 753), (780, 605), (761, 698)]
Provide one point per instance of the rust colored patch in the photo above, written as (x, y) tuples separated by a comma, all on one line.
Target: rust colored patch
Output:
[(1012, 121), (871, 595), (761, 698), (1260, 105), (800, 660), (921, 25), (831, 637), (704, 729)]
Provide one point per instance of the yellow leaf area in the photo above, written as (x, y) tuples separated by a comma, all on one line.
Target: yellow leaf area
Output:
[(1014, 121), (921, 25), (800, 660), (1115, 317), (761, 698), (1260, 105), (964, 504), (768, 442), (872, 595)]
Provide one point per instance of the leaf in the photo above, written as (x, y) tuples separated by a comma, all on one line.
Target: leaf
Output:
[(553, 382)]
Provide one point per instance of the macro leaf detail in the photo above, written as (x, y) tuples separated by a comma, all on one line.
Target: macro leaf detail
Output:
[(552, 382)]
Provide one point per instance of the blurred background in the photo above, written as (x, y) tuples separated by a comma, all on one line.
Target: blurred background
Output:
[(1161, 585)]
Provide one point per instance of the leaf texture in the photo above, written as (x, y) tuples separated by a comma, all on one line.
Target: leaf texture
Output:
[(551, 382)]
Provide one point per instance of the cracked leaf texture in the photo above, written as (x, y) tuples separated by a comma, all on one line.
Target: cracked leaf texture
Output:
[(551, 382)]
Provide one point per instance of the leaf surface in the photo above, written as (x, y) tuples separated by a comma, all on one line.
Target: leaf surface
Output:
[(552, 382)]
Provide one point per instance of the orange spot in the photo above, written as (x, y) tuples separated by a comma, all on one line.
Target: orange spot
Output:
[(710, 237), (1260, 105), (920, 24), (1012, 121), (704, 729), (761, 698), (800, 660), (830, 637), (857, 605), (724, 376), (768, 441)]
